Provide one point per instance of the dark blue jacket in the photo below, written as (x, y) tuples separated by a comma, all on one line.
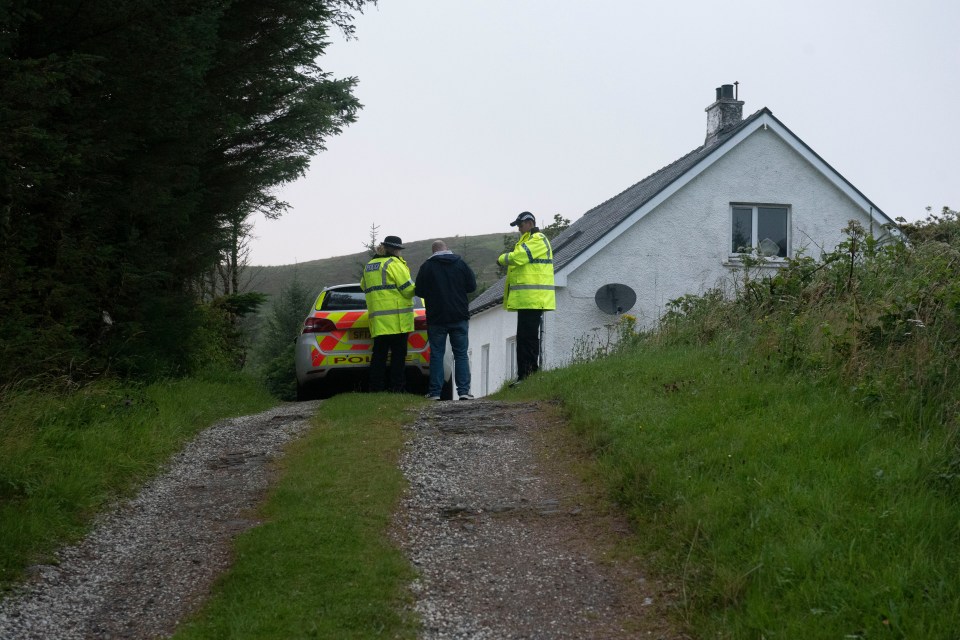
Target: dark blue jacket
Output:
[(443, 282)]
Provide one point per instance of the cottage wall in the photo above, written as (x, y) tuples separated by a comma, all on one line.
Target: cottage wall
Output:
[(680, 247), (494, 329), (683, 246)]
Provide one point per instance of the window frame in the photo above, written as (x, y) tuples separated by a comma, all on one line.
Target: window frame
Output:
[(736, 256)]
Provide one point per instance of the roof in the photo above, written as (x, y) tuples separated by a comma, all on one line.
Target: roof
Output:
[(600, 220)]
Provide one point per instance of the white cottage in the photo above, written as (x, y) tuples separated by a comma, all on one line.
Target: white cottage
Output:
[(753, 183)]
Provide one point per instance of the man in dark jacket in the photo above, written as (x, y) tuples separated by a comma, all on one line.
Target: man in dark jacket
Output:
[(443, 282)]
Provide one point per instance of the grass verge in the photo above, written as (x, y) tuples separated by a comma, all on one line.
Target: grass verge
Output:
[(786, 507), (322, 566), (63, 457)]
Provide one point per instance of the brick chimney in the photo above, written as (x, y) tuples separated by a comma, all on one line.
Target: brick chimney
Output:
[(723, 114)]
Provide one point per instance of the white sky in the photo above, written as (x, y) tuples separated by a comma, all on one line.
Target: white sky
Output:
[(475, 110)]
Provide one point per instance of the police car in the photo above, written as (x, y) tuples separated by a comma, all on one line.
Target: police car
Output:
[(334, 347)]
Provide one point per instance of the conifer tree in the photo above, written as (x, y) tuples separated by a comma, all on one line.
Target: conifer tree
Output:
[(137, 137)]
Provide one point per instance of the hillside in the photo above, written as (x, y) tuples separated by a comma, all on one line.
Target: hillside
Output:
[(480, 252)]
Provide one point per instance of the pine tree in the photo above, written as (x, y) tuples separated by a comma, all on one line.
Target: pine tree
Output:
[(274, 355), (137, 137)]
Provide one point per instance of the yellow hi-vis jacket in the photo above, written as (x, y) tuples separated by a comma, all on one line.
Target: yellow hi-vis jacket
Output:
[(529, 274), (389, 290)]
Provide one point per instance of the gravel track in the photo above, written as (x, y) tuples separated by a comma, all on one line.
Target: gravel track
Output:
[(151, 561), (507, 541)]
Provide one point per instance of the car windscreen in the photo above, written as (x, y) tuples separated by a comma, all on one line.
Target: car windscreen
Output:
[(344, 301), (352, 300)]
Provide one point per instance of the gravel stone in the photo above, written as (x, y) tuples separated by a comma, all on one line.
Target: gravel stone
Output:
[(507, 542), (150, 562)]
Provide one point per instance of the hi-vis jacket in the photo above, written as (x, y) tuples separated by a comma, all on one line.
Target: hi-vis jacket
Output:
[(529, 274), (389, 292)]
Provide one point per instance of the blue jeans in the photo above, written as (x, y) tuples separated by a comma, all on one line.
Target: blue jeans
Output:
[(459, 341)]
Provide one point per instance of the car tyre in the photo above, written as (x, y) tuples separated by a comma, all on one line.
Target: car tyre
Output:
[(306, 392)]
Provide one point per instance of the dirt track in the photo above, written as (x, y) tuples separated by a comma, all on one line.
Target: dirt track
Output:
[(508, 542)]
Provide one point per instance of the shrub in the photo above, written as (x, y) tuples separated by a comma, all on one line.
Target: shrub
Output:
[(273, 356), (882, 316)]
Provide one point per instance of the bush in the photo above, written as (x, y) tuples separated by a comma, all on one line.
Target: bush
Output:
[(882, 316), (279, 375), (273, 354)]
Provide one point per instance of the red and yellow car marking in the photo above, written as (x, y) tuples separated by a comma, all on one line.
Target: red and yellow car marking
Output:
[(340, 348)]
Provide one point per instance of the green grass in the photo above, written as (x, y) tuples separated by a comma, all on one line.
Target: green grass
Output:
[(322, 566), (790, 458), (64, 456), (785, 506)]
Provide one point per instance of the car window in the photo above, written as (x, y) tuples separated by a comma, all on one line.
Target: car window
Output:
[(352, 299), (344, 301)]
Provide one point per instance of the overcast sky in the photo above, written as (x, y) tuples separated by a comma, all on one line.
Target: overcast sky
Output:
[(475, 110)]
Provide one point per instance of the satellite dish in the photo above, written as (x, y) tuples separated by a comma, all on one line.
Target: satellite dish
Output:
[(769, 248), (615, 298)]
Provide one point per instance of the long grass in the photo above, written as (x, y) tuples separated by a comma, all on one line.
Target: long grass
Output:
[(65, 456), (322, 565), (785, 509), (791, 452)]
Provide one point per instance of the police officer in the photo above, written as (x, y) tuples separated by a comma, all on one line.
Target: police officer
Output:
[(529, 289), (388, 289)]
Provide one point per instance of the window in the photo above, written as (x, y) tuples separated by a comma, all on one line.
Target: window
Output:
[(763, 227), (344, 299), (511, 358), (351, 298)]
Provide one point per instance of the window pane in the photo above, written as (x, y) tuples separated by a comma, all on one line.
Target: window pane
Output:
[(344, 301), (742, 229), (772, 224)]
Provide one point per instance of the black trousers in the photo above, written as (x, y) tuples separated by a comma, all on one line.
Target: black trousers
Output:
[(528, 341), (396, 345)]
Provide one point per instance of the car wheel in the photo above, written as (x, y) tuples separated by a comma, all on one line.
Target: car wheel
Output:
[(306, 392)]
